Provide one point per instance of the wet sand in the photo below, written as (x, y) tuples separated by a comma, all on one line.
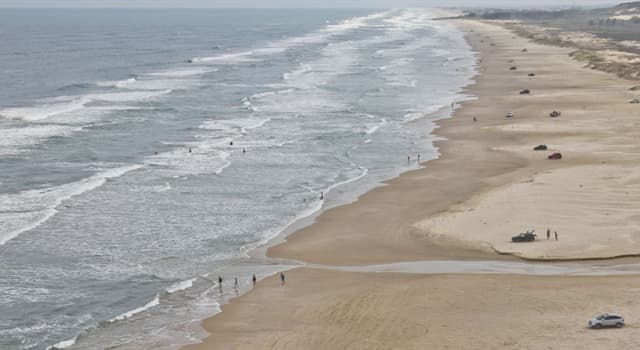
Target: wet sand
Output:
[(487, 186), (320, 309)]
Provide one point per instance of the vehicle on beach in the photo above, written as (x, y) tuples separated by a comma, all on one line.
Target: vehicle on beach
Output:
[(525, 92), (509, 115), (532, 74), (635, 100), (540, 148), (555, 114), (528, 236), (555, 156), (513, 68), (606, 320)]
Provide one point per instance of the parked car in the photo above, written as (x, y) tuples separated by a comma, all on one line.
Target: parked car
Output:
[(540, 148), (635, 100), (524, 237), (525, 92), (532, 74), (513, 68), (606, 320), (555, 156), (509, 115)]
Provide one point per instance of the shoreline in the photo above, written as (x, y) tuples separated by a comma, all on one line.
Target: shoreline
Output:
[(378, 233)]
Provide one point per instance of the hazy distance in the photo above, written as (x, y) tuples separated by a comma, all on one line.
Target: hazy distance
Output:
[(298, 3)]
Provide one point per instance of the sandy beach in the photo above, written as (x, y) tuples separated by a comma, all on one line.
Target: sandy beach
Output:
[(487, 186)]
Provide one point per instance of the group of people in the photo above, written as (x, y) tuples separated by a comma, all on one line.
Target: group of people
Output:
[(409, 159), (236, 286), (555, 233)]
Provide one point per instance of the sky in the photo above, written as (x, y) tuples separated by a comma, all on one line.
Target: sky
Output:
[(299, 3)]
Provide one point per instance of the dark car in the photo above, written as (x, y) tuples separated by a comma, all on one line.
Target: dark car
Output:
[(555, 156), (524, 237), (540, 148), (525, 92)]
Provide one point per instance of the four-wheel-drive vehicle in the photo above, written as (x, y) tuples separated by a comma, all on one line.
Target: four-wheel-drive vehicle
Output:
[(509, 115), (528, 236), (635, 100), (525, 92), (540, 148), (606, 320)]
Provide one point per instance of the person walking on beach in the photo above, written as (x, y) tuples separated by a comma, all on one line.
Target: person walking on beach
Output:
[(556, 234), (282, 278), (548, 233), (475, 119), (321, 195), (408, 159), (235, 284), (244, 150), (254, 279), (418, 158)]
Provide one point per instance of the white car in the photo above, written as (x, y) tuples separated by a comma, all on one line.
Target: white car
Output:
[(509, 115), (606, 320), (635, 100)]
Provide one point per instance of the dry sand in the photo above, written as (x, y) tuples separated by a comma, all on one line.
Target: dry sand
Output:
[(590, 197), (487, 185)]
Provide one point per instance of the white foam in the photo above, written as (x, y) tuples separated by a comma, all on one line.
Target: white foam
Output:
[(184, 72), (364, 173), (278, 46), (127, 96), (167, 187), (117, 83), (182, 285), (44, 110), (168, 84), (235, 57), (376, 127), (15, 140), (234, 125), (24, 211), (63, 344), (205, 158), (67, 104), (154, 302)]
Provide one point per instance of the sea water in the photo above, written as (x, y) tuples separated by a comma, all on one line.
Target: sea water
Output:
[(145, 152)]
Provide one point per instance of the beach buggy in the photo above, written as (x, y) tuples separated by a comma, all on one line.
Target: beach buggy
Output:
[(528, 236)]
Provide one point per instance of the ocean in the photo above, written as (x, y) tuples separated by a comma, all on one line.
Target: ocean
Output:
[(145, 152)]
